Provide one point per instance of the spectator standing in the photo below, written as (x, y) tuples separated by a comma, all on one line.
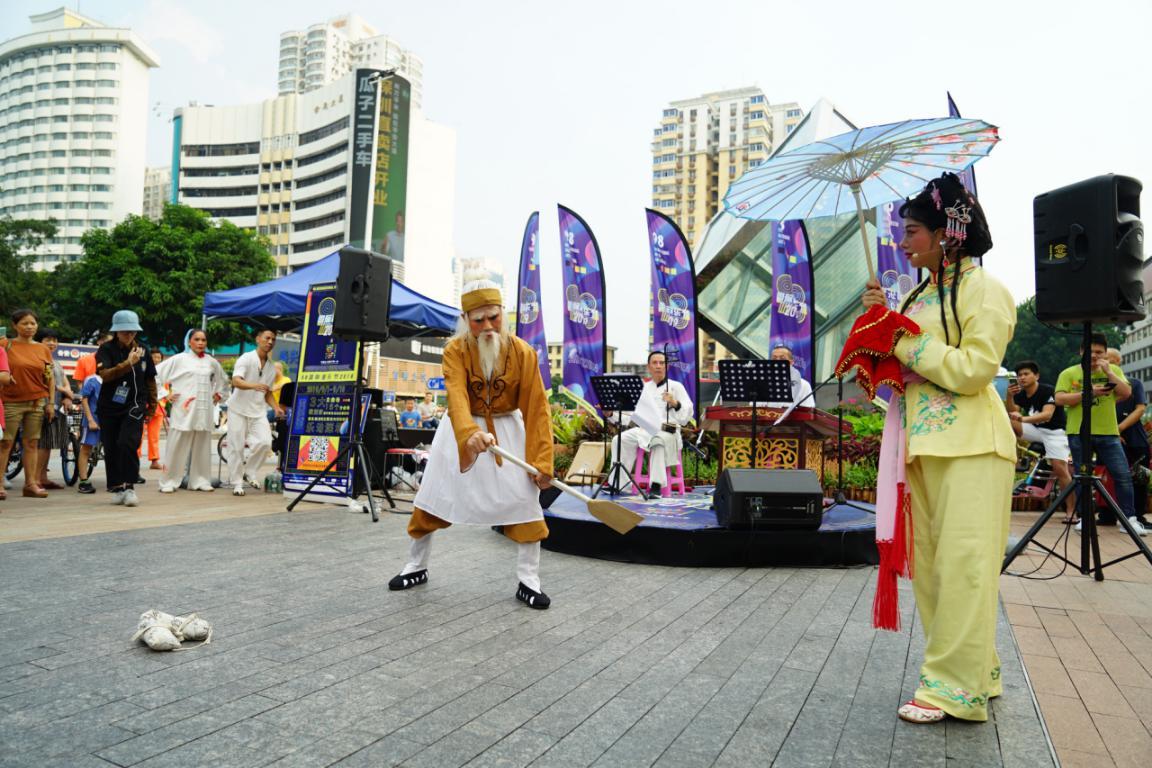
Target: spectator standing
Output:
[(427, 411), (252, 381), (410, 418), (5, 380), (156, 423), (196, 383), (27, 397), (55, 433), (1036, 417), (127, 400), (1108, 385), (1130, 414), (89, 429)]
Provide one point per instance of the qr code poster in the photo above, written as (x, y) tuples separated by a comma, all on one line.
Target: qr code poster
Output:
[(316, 452)]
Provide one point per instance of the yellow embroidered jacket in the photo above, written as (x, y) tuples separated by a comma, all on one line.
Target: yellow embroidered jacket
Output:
[(515, 386), (957, 411)]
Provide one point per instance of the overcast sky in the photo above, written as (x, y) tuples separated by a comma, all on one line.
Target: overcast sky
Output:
[(556, 103)]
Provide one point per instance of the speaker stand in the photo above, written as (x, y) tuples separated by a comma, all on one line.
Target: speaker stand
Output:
[(353, 450), (1087, 483)]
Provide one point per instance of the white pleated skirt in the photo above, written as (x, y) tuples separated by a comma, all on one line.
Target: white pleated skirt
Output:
[(487, 494)]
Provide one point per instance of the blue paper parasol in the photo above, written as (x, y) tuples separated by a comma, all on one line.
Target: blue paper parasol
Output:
[(876, 165)]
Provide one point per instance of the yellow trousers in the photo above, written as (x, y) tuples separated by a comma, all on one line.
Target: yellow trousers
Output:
[(960, 513)]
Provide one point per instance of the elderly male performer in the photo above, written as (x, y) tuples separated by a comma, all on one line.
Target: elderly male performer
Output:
[(495, 396), (671, 401)]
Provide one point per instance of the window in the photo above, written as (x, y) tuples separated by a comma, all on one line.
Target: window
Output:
[(320, 133)]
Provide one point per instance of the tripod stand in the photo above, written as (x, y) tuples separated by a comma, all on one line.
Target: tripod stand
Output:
[(353, 450), (1085, 483), (839, 500), (620, 393)]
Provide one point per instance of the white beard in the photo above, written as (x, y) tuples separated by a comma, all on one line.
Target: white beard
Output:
[(490, 345)]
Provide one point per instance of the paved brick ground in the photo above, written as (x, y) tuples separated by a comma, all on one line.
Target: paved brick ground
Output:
[(314, 662)]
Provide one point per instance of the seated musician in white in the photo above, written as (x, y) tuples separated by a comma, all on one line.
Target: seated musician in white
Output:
[(801, 389), (670, 400)]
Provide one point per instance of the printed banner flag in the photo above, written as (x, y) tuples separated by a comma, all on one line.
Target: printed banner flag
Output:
[(673, 301), (584, 352), (529, 317), (792, 324), (897, 278), (968, 177)]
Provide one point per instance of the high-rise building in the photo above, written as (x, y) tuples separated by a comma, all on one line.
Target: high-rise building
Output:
[(704, 144), (701, 146), (327, 51), (73, 121), (321, 169), (157, 191)]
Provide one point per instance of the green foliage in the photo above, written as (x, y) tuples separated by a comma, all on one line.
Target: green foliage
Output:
[(160, 269), (566, 426), (861, 474), (21, 285), (1054, 348), (865, 423), (560, 463), (707, 472)]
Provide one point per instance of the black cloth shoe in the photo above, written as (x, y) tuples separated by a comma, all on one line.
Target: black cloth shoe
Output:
[(654, 489), (408, 580), (140, 481), (86, 487), (549, 495), (532, 598)]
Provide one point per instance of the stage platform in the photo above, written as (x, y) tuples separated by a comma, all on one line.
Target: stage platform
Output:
[(682, 530)]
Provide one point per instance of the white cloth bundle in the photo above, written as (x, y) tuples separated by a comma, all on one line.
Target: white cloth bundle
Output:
[(164, 632)]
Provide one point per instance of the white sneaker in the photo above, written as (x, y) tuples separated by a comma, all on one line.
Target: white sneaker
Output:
[(130, 499), (167, 489), (252, 483), (1137, 527), (238, 490), (118, 497)]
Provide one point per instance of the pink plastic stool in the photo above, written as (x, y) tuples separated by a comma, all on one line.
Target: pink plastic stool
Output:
[(673, 476)]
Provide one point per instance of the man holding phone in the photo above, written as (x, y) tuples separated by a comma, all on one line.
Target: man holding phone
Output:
[(1108, 385), (1036, 417)]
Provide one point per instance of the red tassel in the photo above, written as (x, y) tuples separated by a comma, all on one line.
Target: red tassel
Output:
[(895, 561)]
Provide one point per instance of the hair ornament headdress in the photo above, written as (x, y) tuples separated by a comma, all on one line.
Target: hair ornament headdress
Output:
[(959, 217)]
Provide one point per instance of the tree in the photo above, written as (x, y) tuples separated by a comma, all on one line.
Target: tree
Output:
[(161, 269), (1053, 347), (21, 285)]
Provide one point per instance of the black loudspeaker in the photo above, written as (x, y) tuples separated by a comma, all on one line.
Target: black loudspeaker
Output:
[(1090, 251), (769, 499), (363, 295)]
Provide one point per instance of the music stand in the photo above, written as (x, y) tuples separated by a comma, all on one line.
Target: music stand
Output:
[(755, 381), (619, 394)]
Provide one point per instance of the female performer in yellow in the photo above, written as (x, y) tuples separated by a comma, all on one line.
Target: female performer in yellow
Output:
[(951, 437)]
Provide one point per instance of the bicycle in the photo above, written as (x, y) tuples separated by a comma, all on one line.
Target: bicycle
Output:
[(69, 456), (75, 422)]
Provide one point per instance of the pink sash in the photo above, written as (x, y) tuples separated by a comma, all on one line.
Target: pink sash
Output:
[(893, 514)]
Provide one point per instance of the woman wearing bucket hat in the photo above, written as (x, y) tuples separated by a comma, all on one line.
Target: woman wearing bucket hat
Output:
[(127, 399)]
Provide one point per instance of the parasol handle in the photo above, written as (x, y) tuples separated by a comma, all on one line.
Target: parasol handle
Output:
[(863, 230)]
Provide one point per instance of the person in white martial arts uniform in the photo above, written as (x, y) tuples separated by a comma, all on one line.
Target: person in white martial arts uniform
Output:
[(252, 381), (495, 396), (195, 382), (670, 400)]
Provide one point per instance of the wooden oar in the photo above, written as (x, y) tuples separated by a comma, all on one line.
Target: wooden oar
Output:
[(616, 516)]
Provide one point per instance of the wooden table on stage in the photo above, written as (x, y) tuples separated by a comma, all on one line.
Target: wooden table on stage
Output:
[(797, 443)]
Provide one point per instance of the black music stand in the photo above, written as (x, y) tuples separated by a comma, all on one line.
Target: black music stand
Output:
[(618, 393), (755, 381)]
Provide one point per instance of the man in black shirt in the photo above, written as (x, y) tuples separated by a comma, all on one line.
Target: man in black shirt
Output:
[(1036, 417), (127, 400)]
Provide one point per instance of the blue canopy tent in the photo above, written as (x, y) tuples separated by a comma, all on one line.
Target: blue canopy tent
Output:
[(280, 303)]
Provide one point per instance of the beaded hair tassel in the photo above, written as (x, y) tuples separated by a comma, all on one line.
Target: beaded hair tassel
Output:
[(959, 217)]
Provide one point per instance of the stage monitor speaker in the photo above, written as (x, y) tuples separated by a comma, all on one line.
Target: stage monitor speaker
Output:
[(769, 499), (363, 295), (1089, 245)]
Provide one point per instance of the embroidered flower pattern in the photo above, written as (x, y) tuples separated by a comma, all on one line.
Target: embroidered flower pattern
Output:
[(934, 412), (958, 695), (914, 354)]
